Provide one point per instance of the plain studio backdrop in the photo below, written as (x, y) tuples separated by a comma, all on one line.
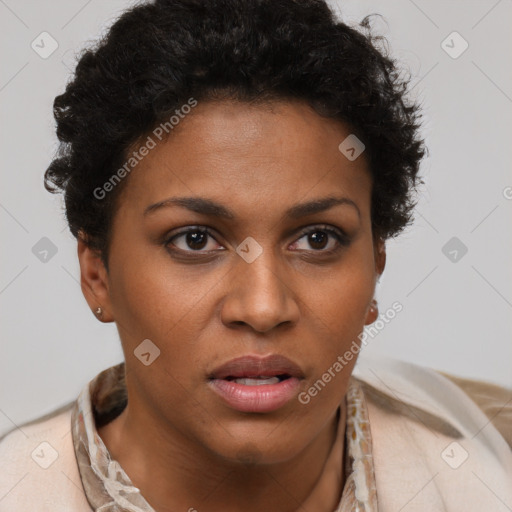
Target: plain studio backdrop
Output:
[(450, 270)]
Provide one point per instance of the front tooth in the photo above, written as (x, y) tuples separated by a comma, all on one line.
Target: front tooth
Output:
[(258, 381)]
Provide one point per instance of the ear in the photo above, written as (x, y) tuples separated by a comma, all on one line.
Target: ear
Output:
[(379, 247), (379, 252), (94, 280)]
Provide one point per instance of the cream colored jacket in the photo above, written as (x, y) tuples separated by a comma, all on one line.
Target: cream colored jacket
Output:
[(434, 449)]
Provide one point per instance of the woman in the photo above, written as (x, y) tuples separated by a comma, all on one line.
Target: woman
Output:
[(232, 170)]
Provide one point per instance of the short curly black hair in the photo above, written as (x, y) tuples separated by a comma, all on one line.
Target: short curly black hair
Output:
[(159, 54)]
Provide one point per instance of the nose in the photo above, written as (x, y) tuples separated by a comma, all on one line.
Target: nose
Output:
[(260, 295)]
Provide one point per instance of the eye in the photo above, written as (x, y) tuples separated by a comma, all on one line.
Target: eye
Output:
[(323, 239), (192, 240)]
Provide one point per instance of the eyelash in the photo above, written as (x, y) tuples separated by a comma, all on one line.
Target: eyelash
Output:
[(340, 237)]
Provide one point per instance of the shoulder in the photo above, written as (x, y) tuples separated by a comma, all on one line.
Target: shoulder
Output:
[(433, 447), (495, 401), (463, 405), (38, 465)]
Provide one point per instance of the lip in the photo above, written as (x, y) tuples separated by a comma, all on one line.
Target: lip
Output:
[(253, 366), (257, 398)]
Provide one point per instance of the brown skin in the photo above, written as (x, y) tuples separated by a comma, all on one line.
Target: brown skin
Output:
[(180, 444)]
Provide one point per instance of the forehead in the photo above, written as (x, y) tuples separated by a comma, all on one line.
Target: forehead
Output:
[(243, 153)]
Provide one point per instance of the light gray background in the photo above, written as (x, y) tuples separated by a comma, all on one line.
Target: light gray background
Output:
[(456, 315)]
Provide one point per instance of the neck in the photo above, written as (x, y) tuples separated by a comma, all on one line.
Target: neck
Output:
[(173, 473)]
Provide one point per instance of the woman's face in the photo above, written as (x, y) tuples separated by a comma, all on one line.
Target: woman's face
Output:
[(269, 278)]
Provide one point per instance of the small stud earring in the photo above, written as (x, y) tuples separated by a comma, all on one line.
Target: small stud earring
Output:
[(99, 311)]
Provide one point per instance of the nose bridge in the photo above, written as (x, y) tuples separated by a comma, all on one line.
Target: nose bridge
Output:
[(258, 294), (262, 276)]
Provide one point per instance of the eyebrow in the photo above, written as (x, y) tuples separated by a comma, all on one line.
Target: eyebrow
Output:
[(208, 207)]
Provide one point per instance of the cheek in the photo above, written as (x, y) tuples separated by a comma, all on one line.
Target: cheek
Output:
[(343, 297), (150, 293), (338, 311)]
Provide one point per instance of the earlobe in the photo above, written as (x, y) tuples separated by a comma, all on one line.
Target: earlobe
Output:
[(94, 281), (372, 313)]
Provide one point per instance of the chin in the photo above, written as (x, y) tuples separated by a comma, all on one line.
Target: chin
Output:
[(259, 450)]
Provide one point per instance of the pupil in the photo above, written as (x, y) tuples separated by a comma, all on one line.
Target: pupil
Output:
[(195, 239), (316, 239)]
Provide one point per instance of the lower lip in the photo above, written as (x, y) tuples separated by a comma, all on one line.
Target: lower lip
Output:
[(259, 398)]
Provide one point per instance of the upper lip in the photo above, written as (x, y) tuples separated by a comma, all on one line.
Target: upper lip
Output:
[(254, 366)]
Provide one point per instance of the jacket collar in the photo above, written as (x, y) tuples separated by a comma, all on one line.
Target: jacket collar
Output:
[(414, 391)]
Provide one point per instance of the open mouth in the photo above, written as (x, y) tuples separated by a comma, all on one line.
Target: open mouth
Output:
[(257, 393), (256, 384), (258, 380)]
